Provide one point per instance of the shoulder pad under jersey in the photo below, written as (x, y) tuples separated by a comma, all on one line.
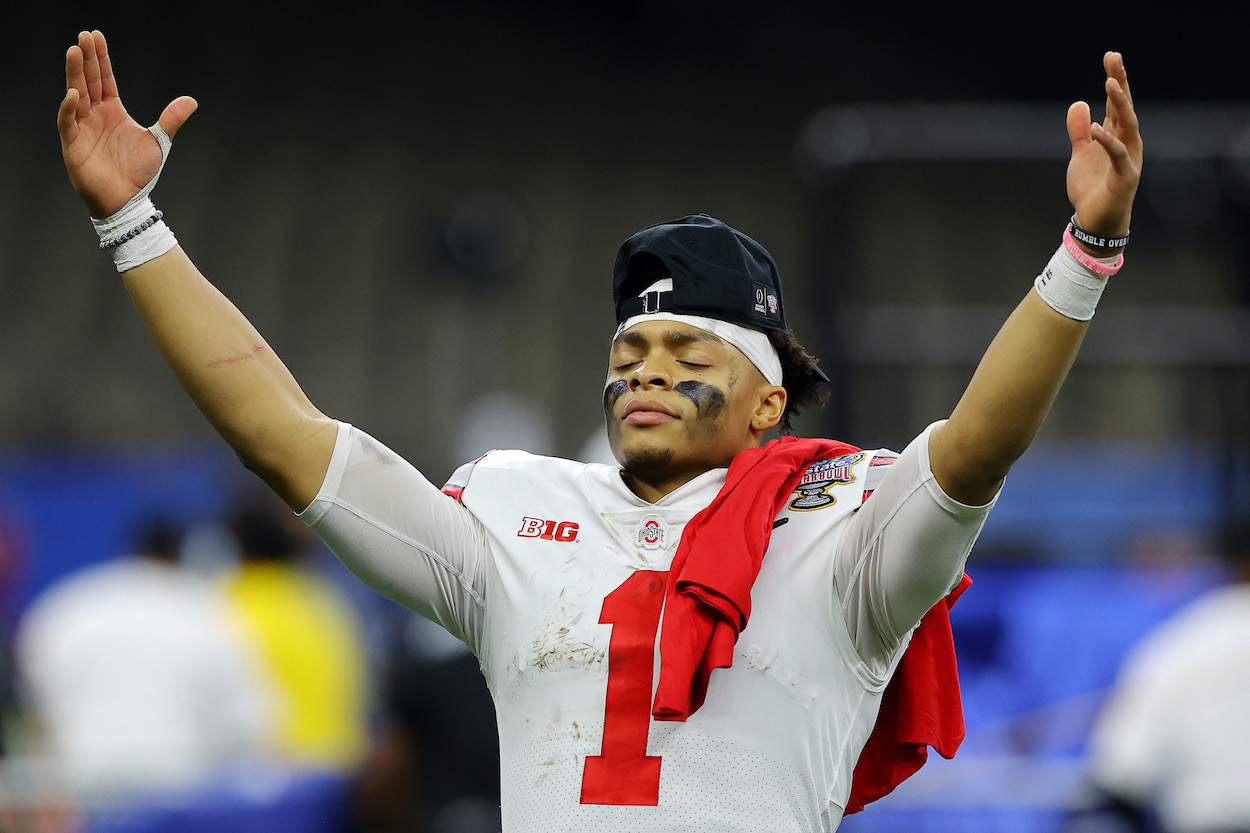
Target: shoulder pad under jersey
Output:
[(877, 467), (459, 479)]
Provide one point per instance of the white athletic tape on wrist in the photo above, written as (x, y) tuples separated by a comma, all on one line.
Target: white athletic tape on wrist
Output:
[(1071, 288), (149, 243)]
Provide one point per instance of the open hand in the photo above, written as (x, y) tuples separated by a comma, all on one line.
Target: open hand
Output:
[(1106, 158), (109, 156)]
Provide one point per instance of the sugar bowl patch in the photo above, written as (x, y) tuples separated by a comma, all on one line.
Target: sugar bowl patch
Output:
[(813, 489)]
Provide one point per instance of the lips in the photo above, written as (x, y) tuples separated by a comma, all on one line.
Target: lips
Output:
[(648, 412)]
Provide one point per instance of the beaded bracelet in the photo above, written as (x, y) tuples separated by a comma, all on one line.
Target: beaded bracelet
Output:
[(134, 232)]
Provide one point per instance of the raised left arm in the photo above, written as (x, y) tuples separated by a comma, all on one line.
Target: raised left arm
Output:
[(1021, 372)]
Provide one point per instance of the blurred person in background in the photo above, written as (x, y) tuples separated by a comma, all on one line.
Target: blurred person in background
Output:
[(135, 681), (556, 573), (12, 565), (306, 635), (434, 763), (1168, 752)]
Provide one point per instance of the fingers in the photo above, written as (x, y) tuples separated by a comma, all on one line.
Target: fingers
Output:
[(1121, 118), (1119, 104), (1122, 162), (108, 82), (1113, 63), (1079, 125), (1119, 97), (91, 65), (76, 80), (176, 113), (66, 121), (1109, 113)]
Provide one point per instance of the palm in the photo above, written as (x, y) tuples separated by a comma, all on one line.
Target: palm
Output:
[(111, 158), (1106, 159), (108, 155)]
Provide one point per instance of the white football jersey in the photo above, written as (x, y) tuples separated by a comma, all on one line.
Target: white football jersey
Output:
[(554, 572)]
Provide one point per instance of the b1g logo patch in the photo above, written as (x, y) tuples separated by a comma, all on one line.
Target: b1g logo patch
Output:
[(813, 488), (547, 530)]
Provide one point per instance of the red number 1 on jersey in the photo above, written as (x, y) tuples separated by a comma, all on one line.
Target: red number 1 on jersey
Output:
[(624, 773)]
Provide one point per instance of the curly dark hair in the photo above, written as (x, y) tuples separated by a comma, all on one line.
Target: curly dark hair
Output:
[(804, 389)]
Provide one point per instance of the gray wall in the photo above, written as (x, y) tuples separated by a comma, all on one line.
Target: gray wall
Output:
[(316, 183)]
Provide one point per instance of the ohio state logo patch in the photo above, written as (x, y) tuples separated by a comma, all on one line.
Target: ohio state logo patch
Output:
[(652, 533), (813, 489)]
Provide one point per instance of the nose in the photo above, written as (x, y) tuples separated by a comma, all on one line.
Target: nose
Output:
[(649, 373)]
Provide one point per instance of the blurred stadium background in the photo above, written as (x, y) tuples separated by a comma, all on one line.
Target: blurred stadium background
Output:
[(418, 205)]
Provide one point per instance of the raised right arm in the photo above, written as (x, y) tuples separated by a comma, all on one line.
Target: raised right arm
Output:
[(233, 376)]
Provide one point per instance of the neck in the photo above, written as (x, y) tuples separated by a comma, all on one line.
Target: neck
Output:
[(652, 488)]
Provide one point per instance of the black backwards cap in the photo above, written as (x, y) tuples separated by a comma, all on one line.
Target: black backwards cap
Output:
[(717, 271)]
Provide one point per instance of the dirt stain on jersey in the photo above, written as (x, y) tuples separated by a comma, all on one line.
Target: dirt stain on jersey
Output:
[(545, 769), (795, 683), (375, 452), (556, 648)]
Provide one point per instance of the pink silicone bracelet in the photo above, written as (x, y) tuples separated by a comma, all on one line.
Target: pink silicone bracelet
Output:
[(1083, 258)]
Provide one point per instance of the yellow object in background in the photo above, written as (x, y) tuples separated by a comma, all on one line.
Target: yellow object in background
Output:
[(309, 643)]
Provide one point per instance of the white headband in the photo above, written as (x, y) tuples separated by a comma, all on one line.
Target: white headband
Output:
[(751, 343)]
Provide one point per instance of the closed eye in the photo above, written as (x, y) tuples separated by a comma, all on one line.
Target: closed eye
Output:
[(621, 368)]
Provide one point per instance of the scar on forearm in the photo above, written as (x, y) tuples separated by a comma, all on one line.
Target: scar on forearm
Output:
[(236, 359)]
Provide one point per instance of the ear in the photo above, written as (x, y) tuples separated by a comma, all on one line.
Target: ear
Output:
[(772, 404)]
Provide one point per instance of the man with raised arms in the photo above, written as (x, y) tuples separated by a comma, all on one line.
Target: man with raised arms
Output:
[(701, 638)]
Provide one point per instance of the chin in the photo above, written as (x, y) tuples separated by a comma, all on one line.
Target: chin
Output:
[(639, 451), (645, 459)]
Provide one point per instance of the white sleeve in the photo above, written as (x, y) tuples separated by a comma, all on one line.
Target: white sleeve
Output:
[(903, 550), (402, 536)]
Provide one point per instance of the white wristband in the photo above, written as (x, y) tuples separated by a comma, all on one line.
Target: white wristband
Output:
[(1070, 288), (135, 232)]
